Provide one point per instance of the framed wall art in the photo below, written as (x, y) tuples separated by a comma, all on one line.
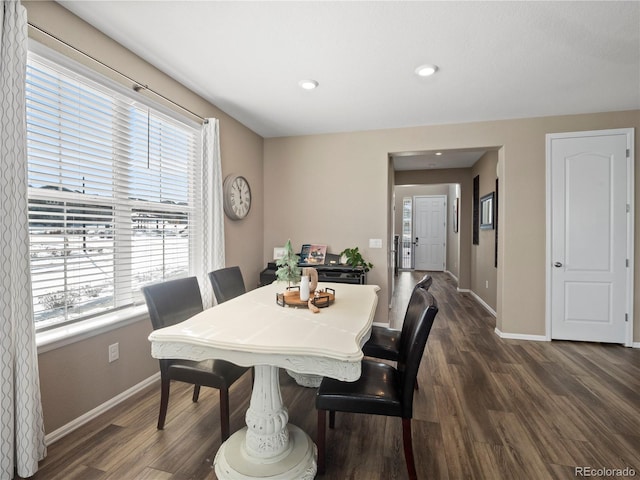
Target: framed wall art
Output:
[(487, 212)]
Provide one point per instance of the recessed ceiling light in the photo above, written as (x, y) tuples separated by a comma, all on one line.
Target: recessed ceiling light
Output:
[(308, 84), (438, 153), (426, 70)]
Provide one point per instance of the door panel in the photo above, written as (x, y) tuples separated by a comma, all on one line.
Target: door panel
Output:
[(588, 302), (430, 232), (588, 193), (589, 237)]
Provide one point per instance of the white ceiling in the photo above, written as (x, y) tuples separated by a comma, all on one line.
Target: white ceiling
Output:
[(497, 60), (436, 160)]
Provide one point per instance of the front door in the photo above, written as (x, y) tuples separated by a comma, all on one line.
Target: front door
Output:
[(430, 232), (590, 242)]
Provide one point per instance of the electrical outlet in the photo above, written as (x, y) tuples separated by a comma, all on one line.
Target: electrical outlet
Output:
[(114, 352), (486, 284)]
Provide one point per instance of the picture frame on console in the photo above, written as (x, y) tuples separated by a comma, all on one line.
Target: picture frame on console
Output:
[(312, 254)]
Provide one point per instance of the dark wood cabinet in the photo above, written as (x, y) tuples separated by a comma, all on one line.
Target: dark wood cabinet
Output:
[(326, 273)]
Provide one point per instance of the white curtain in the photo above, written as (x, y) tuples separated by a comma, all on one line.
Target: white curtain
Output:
[(21, 424), (212, 210)]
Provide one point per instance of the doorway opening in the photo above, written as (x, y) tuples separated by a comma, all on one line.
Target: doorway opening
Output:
[(426, 227)]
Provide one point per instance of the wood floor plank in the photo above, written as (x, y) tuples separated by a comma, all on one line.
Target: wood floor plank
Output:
[(493, 461), (428, 449), (151, 474), (524, 453), (486, 408), (457, 444)]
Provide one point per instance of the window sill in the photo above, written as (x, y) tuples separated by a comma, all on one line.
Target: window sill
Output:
[(75, 332)]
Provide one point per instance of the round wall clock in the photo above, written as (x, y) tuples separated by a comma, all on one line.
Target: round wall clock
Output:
[(237, 197)]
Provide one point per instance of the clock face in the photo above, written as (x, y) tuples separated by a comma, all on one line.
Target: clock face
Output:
[(237, 197)]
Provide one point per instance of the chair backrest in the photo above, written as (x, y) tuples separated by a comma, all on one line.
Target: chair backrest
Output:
[(425, 282), (421, 312), (407, 322), (172, 301), (227, 283)]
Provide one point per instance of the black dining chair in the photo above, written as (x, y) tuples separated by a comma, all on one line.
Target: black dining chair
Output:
[(384, 342), (227, 283), (172, 302), (382, 389)]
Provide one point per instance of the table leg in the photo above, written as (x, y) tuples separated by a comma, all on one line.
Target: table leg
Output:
[(268, 447)]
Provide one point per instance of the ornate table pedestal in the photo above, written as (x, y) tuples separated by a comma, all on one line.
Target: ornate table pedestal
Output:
[(268, 447)]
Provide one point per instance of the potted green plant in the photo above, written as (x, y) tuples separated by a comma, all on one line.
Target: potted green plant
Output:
[(288, 270), (353, 258)]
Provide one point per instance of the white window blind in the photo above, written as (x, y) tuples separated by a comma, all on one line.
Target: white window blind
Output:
[(112, 195)]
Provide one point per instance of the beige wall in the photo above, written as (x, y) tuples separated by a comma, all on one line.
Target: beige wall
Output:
[(484, 274), (77, 378), (331, 190), (351, 207)]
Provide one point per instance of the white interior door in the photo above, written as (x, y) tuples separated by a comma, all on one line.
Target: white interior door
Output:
[(429, 225), (589, 245)]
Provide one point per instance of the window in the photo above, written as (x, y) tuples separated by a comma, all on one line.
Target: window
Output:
[(112, 195), (407, 245)]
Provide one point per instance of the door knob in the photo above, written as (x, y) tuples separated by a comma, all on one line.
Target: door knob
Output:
[(557, 264)]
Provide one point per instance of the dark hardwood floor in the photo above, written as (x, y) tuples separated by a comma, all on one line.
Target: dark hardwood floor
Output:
[(487, 408)]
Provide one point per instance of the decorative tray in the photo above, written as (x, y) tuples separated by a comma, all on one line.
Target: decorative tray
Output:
[(319, 298)]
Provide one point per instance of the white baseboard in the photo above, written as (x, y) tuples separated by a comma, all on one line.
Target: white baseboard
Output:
[(100, 409), (521, 336), (536, 338), (481, 302), (512, 336), (452, 275)]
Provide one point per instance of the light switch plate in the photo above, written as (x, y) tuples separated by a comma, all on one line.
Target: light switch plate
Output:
[(114, 352), (375, 243)]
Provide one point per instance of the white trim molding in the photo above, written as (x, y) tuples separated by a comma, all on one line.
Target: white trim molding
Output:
[(452, 275), (100, 409), (522, 336), (481, 302)]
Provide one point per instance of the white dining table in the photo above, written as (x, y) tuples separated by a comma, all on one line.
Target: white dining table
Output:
[(253, 330)]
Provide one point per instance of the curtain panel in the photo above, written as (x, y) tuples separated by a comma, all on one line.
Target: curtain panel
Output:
[(21, 424), (212, 210)]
